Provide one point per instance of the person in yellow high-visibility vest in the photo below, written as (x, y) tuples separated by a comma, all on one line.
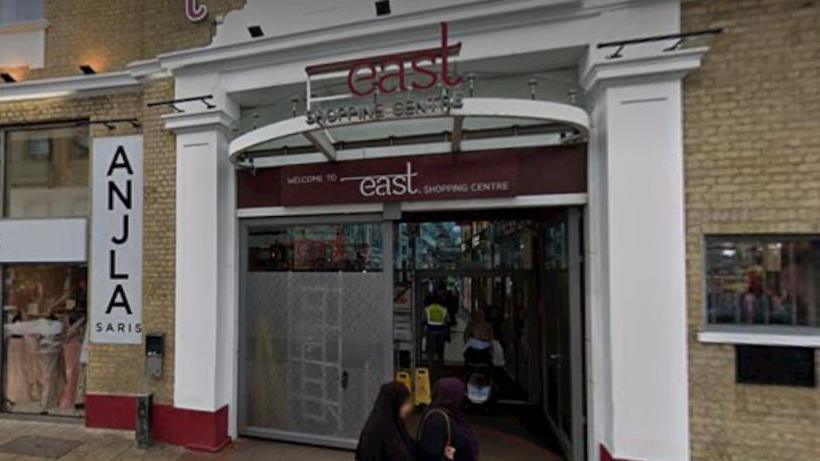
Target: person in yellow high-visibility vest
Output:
[(436, 320)]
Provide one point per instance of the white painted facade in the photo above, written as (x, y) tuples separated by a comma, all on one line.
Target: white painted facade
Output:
[(637, 255), (637, 365), (43, 240), (637, 392)]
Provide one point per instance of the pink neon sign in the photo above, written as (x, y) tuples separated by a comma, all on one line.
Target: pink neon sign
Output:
[(195, 11)]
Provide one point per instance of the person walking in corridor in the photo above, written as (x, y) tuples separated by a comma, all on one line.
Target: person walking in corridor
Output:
[(385, 437), (436, 328), (443, 432)]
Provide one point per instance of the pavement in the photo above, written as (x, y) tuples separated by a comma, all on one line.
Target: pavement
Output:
[(47, 439), (71, 441)]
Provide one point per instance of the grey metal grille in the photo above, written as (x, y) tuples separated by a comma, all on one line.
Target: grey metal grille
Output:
[(315, 351)]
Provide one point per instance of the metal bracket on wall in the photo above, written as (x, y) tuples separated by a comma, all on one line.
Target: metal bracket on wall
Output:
[(112, 123), (679, 40), (246, 162), (174, 103)]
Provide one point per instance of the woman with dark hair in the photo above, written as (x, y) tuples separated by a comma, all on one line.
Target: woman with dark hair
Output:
[(385, 437), (443, 432)]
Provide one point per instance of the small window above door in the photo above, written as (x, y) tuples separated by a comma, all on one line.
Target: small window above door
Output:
[(20, 11)]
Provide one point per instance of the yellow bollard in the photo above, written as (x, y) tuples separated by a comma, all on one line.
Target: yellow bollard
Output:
[(403, 377), (422, 385)]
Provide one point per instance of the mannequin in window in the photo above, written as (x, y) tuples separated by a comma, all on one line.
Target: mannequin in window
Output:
[(74, 325), (18, 388), (750, 299)]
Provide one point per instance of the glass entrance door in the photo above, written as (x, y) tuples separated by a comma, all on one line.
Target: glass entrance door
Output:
[(562, 340), (316, 328)]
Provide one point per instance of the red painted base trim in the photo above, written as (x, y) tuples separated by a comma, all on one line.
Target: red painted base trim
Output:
[(205, 449), (606, 456), (110, 412), (196, 430)]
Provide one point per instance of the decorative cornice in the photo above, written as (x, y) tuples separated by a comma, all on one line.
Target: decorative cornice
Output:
[(73, 86), (27, 26), (194, 122), (662, 66), (147, 69), (486, 16)]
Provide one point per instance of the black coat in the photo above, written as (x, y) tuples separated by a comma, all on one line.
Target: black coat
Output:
[(448, 396), (433, 439), (384, 437)]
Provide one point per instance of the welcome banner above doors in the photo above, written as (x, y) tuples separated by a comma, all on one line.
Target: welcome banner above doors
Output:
[(484, 174)]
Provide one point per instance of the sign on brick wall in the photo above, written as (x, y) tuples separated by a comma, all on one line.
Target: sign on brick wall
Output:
[(116, 241), (195, 11)]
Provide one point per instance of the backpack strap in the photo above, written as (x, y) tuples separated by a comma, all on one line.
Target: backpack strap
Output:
[(447, 423)]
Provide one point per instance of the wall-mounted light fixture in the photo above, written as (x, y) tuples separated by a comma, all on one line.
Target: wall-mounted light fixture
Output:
[(256, 31), (87, 69), (8, 78)]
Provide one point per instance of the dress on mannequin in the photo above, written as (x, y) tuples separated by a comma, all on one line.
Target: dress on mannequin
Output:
[(72, 349), (17, 384), (52, 370)]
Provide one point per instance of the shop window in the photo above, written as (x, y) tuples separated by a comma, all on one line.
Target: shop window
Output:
[(763, 280), (47, 172), (44, 333), (354, 247), (16, 11)]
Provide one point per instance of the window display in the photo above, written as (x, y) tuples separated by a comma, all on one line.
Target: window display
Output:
[(44, 329), (20, 11), (763, 280)]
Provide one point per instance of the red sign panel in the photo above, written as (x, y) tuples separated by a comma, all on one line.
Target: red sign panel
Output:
[(498, 173), (434, 177)]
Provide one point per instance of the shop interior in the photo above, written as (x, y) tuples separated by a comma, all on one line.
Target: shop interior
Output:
[(44, 331), (501, 278), (43, 320)]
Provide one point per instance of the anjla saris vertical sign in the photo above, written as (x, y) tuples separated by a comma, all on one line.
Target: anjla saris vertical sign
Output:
[(116, 241)]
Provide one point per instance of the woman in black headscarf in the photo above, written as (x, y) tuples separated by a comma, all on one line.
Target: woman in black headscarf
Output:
[(384, 437), (443, 432)]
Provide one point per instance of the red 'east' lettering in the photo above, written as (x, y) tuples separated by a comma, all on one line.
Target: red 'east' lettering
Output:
[(387, 74)]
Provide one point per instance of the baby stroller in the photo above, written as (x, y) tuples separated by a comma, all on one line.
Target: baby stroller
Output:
[(480, 383)]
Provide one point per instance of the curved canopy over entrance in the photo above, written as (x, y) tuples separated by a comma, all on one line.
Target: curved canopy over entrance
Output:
[(476, 118)]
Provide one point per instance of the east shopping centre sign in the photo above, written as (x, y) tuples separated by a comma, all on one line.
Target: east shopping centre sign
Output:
[(485, 174), (429, 177), (398, 85)]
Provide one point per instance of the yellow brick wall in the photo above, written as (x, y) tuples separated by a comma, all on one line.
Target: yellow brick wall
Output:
[(752, 160), (109, 34), (117, 369)]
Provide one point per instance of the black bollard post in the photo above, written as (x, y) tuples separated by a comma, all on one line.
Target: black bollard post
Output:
[(145, 404)]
